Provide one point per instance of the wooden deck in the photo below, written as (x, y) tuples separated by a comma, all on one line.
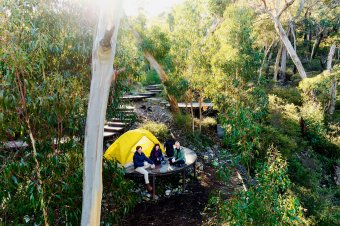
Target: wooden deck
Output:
[(166, 169)]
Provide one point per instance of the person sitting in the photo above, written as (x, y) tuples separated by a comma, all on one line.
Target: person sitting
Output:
[(141, 163), (179, 157), (169, 147), (156, 155)]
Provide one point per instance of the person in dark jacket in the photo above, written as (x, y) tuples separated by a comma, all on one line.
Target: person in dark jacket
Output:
[(141, 163), (156, 155), (169, 147)]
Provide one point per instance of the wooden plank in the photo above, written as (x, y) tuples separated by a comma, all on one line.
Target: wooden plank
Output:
[(121, 124), (133, 97), (108, 134), (113, 128), (15, 144), (195, 105)]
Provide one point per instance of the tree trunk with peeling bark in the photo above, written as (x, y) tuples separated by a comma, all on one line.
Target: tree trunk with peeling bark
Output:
[(104, 47), (316, 45), (164, 78), (333, 92), (277, 63), (283, 66), (289, 47)]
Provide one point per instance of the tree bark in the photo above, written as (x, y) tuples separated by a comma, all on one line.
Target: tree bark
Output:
[(283, 67), (200, 110), (192, 115), (333, 90), (330, 57), (277, 62), (289, 47), (164, 78), (264, 59), (316, 45), (104, 47)]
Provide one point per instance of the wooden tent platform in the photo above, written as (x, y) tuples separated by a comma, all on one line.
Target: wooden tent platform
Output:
[(166, 169)]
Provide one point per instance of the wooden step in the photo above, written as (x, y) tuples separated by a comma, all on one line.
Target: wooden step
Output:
[(148, 94), (127, 120), (155, 90), (133, 97), (113, 128), (121, 124), (154, 86), (108, 134)]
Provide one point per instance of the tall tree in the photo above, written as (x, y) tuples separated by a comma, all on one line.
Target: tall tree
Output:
[(104, 47), (275, 13)]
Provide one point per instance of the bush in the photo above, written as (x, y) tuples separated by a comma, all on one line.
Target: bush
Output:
[(62, 176), (183, 121), (290, 95), (270, 202), (160, 130), (118, 198), (150, 78), (207, 122)]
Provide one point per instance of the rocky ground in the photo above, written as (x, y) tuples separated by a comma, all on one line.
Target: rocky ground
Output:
[(179, 208)]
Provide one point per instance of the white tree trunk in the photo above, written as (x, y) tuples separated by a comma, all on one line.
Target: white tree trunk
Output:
[(283, 66), (333, 92), (104, 47), (330, 57), (277, 62), (289, 47)]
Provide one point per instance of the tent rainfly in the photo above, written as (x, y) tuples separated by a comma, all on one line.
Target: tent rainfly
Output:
[(124, 147)]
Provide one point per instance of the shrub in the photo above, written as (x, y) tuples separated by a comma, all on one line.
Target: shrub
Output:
[(290, 94), (183, 121), (150, 78), (270, 202), (62, 175), (207, 122), (118, 198), (160, 130)]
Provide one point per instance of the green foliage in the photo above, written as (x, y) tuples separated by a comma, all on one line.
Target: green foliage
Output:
[(316, 89), (207, 122), (233, 44), (290, 94), (270, 202), (118, 198), (150, 78), (183, 121), (62, 179), (309, 175), (283, 128), (160, 130), (241, 116)]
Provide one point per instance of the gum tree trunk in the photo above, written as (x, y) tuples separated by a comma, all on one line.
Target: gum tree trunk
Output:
[(164, 78), (277, 63), (104, 48), (284, 38), (331, 108)]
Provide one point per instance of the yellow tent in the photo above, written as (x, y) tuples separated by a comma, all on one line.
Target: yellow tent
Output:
[(125, 146)]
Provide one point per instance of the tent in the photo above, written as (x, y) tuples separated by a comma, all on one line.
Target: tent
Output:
[(125, 146)]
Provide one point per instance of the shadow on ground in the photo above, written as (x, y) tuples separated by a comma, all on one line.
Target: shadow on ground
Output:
[(184, 209)]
